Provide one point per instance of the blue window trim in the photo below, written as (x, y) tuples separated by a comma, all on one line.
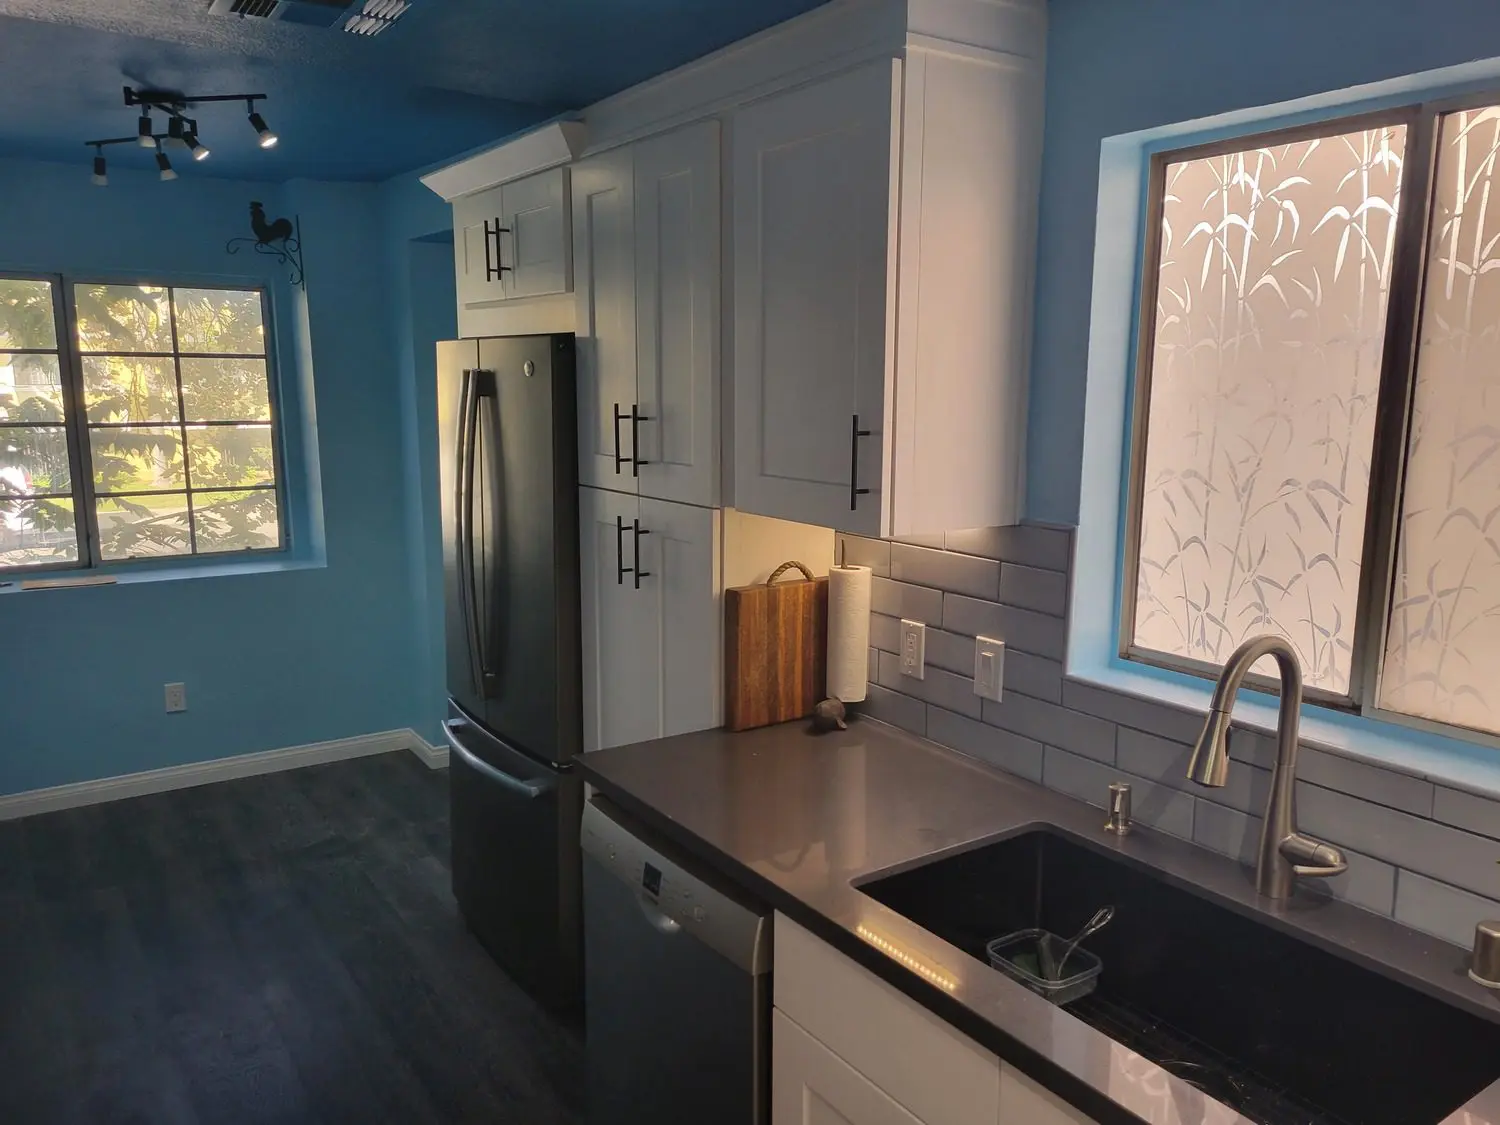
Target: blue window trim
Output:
[(1114, 326)]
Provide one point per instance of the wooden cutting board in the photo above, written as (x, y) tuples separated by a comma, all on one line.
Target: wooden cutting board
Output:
[(776, 636)]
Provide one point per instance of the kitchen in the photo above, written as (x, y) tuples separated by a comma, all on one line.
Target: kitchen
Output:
[(708, 239)]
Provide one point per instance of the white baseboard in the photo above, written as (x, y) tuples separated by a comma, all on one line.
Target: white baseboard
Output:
[(83, 793)]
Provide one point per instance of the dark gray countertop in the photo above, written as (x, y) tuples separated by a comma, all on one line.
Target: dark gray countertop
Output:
[(797, 818)]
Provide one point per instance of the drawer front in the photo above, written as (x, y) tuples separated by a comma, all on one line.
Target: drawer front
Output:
[(1023, 1102), (940, 1075)]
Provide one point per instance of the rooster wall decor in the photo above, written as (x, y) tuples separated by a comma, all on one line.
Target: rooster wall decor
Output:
[(282, 239)]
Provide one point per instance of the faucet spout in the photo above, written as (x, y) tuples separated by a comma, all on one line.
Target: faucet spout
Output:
[(1284, 853)]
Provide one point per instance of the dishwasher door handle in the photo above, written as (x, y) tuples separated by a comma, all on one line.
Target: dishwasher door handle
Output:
[(660, 922)]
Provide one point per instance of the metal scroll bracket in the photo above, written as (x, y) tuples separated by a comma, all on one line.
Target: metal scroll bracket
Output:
[(281, 240)]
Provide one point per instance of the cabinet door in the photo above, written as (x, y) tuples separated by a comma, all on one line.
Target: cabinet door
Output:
[(537, 254), (679, 547), (621, 666), (677, 283), (814, 293), (477, 220), (605, 299), (810, 1085)]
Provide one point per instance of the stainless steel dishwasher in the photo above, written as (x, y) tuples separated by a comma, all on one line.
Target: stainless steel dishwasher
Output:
[(677, 983)]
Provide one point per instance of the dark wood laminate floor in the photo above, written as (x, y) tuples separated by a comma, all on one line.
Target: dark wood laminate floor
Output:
[(282, 949)]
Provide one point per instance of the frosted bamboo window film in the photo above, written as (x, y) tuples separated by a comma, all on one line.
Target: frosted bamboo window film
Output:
[(1261, 385), (1442, 651)]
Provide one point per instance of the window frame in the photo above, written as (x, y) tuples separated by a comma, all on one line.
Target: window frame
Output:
[(76, 423), (1397, 386)]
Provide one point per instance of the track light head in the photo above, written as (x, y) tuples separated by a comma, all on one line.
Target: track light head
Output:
[(143, 131), (268, 139), (100, 178), (176, 127), (165, 165), (191, 142)]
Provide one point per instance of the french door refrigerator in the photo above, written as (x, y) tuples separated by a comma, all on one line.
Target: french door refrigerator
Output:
[(507, 418)]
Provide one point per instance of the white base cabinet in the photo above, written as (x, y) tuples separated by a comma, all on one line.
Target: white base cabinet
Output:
[(849, 1049), (652, 652), (646, 236)]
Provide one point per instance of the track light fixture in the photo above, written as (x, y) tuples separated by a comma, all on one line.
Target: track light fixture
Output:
[(181, 130)]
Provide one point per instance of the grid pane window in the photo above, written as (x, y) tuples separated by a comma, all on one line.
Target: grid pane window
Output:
[(1272, 288), (154, 483), (146, 432)]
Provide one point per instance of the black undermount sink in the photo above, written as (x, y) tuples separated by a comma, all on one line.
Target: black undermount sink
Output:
[(1276, 1028)]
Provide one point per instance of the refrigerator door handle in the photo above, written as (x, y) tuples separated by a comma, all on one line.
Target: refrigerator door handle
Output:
[(468, 441), (531, 790)]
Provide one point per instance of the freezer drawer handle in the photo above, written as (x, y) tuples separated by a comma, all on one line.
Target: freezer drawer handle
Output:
[(494, 269), (531, 790)]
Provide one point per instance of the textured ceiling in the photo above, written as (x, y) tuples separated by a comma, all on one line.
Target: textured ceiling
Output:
[(451, 75)]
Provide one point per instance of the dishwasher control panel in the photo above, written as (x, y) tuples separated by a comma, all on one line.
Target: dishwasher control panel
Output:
[(677, 886)]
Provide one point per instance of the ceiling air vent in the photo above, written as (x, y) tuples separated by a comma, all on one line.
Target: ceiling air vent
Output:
[(361, 17)]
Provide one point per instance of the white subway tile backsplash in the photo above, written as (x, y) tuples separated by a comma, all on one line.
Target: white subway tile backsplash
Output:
[(1029, 587), (1053, 725), (897, 599), (1465, 810), (1410, 842), (1028, 544), (1441, 910), (885, 632), (896, 709), (1425, 852), (855, 550), (939, 687), (1021, 629), (1009, 752), (979, 578)]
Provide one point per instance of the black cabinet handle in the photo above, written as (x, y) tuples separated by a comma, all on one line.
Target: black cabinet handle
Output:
[(639, 573), (636, 418), (494, 268), (618, 459), (620, 569), (855, 492)]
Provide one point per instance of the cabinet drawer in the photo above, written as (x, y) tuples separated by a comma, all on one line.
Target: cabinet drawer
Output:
[(810, 1085), (940, 1075), (1023, 1102)]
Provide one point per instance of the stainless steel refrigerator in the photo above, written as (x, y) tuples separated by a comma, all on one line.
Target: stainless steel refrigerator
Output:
[(507, 418)]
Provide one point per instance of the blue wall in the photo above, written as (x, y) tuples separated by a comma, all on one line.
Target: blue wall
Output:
[(325, 647), (1117, 67)]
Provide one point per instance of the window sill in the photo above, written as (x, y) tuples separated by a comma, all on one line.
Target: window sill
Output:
[(178, 570), (1445, 761)]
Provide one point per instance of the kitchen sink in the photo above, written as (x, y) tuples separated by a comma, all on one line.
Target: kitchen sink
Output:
[(1282, 1031)]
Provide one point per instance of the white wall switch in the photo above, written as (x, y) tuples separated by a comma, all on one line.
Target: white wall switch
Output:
[(913, 649), (989, 667), (176, 698)]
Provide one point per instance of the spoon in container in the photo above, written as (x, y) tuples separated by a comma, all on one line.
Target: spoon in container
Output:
[(1100, 919)]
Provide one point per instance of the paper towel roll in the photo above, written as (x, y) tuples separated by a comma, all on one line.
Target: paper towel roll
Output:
[(848, 632)]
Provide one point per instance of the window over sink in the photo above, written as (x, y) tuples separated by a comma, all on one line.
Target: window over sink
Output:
[(136, 421), (1316, 442)]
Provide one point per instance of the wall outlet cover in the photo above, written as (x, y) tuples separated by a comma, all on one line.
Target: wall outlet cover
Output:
[(989, 668), (913, 649), (176, 697)]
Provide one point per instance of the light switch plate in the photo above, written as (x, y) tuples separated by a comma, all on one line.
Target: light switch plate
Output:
[(913, 649), (989, 668)]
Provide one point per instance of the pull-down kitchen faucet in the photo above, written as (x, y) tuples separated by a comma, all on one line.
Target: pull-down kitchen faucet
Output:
[(1284, 852)]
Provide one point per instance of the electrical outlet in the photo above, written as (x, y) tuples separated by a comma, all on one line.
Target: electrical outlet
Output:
[(989, 668), (913, 649), (176, 698)]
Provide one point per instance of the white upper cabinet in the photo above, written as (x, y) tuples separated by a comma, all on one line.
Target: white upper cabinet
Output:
[(884, 231), (646, 240), (512, 241), (652, 651)]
